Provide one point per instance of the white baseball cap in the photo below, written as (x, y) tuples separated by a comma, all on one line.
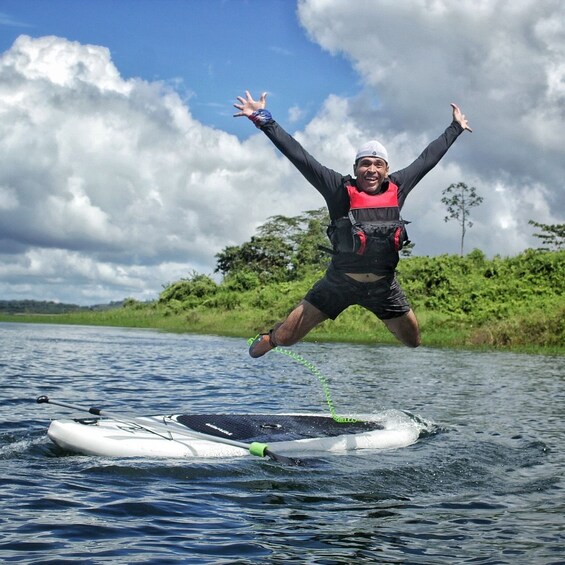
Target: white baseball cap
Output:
[(372, 149)]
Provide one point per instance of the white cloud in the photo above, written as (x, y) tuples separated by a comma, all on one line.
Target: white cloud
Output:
[(502, 62), (295, 114), (101, 177), (7, 20)]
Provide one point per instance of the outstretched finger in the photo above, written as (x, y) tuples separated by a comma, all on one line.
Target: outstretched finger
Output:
[(460, 117)]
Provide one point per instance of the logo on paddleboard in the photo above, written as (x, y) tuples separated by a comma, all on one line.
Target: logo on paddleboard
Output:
[(225, 432)]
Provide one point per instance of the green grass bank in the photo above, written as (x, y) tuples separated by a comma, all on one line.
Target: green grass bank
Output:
[(512, 304)]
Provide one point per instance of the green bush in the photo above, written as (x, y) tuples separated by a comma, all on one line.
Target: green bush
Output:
[(477, 289), (189, 290), (241, 281)]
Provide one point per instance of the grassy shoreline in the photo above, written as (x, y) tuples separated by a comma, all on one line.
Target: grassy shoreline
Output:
[(501, 304), (436, 332)]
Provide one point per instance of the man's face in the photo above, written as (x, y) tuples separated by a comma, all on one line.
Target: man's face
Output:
[(370, 173)]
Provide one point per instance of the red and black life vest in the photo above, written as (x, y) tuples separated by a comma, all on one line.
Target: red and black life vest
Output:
[(373, 232)]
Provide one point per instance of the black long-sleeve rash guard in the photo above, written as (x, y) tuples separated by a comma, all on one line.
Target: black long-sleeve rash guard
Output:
[(330, 184)]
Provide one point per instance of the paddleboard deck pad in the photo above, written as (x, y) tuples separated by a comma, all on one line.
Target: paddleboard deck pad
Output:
[(284, 433)]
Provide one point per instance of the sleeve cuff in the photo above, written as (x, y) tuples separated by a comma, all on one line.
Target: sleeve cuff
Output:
[(261, 117)]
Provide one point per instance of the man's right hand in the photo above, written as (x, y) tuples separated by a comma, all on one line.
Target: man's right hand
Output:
[(247, 105)]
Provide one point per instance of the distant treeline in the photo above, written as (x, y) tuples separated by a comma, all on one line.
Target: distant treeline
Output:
[(49, 307)]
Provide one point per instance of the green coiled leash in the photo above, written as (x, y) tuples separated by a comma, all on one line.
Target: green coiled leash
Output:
[(311, 367)]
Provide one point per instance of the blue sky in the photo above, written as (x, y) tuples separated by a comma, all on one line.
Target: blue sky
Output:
[(209, 49), (122, 168)]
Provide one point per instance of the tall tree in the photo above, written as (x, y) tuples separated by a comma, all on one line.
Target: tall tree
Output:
[(459, 199), (553, 236), (268, 256), (284, 249), (307, 255)]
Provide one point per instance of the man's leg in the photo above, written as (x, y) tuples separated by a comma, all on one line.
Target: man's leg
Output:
[(297, 325), (405, 328), (301, 321)]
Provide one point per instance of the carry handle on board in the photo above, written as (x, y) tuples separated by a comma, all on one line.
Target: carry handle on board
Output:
[(255, 448)]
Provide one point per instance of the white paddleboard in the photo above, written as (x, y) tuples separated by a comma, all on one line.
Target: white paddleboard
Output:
[(284, 433)]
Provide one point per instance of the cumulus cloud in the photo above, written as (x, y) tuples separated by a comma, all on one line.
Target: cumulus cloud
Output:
[(111, 184), (502, 62)]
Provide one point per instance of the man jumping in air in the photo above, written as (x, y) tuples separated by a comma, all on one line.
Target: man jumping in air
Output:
[(366, 231)]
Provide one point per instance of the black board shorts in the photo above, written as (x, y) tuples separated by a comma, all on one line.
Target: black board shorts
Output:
[(335, 292)]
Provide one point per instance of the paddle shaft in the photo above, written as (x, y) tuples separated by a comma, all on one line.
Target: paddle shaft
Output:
[(255, 448)]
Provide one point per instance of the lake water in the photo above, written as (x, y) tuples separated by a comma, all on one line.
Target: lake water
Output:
[(485, 486)]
